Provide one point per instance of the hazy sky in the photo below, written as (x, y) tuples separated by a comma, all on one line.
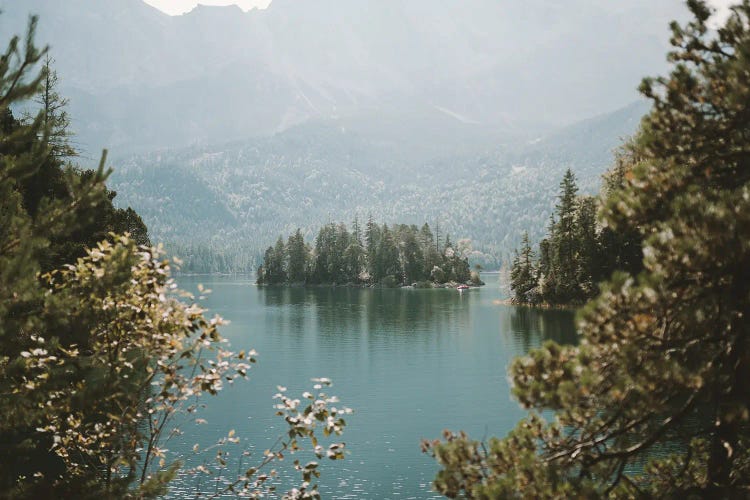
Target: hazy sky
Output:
[(175, 7)]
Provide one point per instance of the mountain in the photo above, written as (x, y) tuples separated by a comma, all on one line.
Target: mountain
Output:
[(140, 80), (246, 194), (229, 128)]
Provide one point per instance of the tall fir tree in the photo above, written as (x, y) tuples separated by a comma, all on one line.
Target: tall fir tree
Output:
[(55, 113), (372, 241), (523, 274), (296, 258), (412, 259), (565, 243), (588, 248)]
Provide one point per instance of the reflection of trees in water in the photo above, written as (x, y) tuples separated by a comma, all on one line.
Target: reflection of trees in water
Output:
[(531, 327), (280, 296), (380, 311), (337, 310), (410, 311), (291, 301)]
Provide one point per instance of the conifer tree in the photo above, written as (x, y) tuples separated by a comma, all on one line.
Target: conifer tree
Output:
[(387, 258), (412, 260), (588, 254), (276, 268), (429, 251), (564, 243), (54, 110), (342, 242), (357, 231), (523, 275), (296, 258), (372, 241)]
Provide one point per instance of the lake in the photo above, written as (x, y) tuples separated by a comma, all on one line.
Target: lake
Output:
[(410, 362)]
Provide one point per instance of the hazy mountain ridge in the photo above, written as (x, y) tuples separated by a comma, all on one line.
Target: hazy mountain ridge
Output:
[(139, 79), (413, 111), (250, 192)]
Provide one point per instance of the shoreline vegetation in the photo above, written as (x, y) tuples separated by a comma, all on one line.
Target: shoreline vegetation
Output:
[(578, 253), (424, 285), (376, 256), (541, 305)]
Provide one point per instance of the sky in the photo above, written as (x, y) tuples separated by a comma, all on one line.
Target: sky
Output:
[(176, 7)]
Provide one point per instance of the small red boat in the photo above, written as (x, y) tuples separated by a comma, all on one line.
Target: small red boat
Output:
[(461, 288)]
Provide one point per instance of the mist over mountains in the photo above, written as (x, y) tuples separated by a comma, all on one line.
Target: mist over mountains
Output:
[(229, 128), (243, 195), (139, 79)]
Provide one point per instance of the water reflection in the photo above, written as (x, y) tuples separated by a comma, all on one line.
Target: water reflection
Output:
[(343, 312), (410, 362), (531, 327)]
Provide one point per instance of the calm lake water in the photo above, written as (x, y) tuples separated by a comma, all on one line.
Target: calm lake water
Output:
[(409, 362)]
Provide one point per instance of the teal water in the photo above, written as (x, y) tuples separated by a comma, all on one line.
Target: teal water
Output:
[(411, 363)]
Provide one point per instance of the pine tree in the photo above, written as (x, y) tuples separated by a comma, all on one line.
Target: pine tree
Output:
[(296, 258), (412, 260), (523, 275), (342, 242), (588, 255), (387, 258), (265, 276), (372, 241), (274, 264), (354, 257), (429, 251), (357, 231), (326, 259), (564, 243), (437, 236), (54, 111)]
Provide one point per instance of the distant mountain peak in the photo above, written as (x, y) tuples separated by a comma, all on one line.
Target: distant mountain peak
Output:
[(201, 9), (486, 64)]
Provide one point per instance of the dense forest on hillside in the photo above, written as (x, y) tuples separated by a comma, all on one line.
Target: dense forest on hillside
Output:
[(373, 255), (234, 200)]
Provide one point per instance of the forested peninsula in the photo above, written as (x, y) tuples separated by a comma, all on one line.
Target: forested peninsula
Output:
[(402, 255), (578, 252)]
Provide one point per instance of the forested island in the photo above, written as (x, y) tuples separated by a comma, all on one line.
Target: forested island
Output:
[(403, 255)]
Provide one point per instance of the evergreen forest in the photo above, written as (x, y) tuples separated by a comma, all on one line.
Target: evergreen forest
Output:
[(370, 255), (578, 252)]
